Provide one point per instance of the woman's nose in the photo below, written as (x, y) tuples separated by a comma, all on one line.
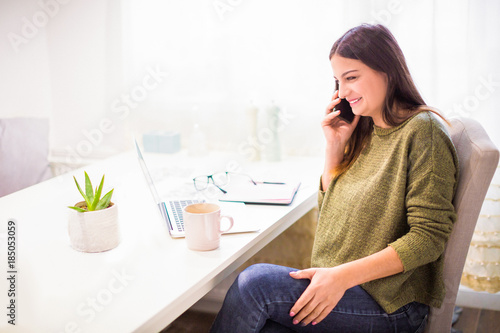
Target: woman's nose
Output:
[(342, 92)]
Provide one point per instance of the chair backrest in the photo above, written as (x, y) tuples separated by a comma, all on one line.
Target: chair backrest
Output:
[(478, 159), (24, 150)]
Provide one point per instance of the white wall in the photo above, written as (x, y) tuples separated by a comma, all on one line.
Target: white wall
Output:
[(104, 70), (25, 76)]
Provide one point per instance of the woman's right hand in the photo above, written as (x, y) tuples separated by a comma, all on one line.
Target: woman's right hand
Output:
[(336, 130), (337, 133)]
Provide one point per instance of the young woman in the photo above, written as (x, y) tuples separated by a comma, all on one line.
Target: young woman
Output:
[(385, 204)]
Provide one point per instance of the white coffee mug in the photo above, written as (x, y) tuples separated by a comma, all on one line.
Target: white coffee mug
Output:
[(202, 226)]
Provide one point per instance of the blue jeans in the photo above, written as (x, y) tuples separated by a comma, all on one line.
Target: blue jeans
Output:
[(261, 298)]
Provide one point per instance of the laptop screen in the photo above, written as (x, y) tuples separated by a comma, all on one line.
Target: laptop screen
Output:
[(147, 175)]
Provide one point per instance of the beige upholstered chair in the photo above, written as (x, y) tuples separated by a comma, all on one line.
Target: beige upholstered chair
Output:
[(24, 149), (478, 158)]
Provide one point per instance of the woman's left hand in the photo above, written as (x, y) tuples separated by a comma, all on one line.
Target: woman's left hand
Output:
[(323, 293)]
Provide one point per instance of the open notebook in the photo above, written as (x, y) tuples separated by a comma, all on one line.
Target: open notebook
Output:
[(262, 193)]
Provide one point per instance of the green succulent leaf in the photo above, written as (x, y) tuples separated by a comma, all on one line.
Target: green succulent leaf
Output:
[(81, 192), (97, 197), (88, 188), (104, 203), (93, 199), (78, 209)]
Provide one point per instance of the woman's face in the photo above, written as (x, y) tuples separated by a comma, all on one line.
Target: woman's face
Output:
[(363, 87)]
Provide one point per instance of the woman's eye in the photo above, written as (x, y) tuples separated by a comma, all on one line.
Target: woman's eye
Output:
[(350, 78)]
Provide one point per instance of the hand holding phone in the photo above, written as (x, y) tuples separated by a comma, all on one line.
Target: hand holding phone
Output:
[(337, 130), (345, 110), (344, 107)]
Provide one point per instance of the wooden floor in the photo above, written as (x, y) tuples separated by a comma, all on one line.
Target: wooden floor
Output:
[(470, 321), (478, 321), (191, 322)]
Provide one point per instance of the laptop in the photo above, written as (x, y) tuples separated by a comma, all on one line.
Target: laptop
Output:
[(171, 210)]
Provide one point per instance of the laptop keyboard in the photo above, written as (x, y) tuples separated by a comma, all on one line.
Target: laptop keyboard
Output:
[(177, 207)]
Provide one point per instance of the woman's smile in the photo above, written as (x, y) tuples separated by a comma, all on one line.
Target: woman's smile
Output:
[(354, 102)]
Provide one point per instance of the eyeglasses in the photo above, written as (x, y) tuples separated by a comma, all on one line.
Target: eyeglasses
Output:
[(219, 179)]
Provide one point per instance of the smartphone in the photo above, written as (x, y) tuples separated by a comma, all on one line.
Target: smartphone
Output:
[(344, 107)]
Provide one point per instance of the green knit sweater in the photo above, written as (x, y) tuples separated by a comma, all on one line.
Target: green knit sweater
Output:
[(398, 192)]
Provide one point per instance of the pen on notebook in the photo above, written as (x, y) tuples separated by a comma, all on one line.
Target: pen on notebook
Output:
[(274, 183)]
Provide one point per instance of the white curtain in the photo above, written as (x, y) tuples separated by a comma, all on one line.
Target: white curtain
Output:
[(104, 70), (222, 54)]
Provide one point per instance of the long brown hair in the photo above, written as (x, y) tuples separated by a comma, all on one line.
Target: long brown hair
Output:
[(376, 47)]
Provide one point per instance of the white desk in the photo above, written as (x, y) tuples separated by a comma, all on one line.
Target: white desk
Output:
[(149, 279)]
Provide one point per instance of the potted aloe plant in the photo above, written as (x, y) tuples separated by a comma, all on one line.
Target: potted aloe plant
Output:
[(93, 223)]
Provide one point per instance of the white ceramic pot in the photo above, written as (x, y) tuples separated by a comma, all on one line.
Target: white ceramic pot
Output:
[(95, 231)]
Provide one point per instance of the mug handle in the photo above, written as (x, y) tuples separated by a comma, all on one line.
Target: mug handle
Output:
[(231, 223)]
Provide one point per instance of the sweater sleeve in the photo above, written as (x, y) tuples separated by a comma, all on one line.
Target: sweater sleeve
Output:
[(322, 192), (321, 195), (432, 176)]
